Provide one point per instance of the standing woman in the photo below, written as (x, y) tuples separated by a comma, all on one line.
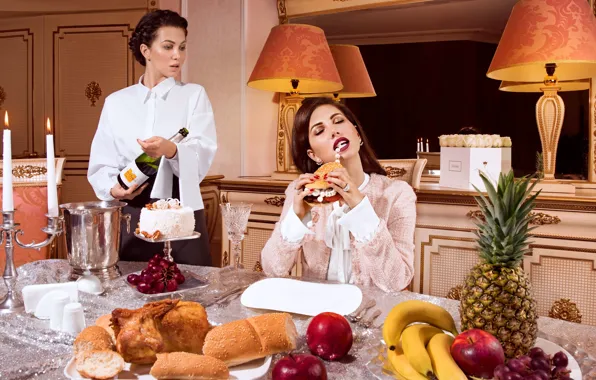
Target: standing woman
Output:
[(141, 118)]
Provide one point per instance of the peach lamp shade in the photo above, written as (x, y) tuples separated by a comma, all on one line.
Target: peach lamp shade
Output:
[(566, 85), (539, 32), (352, 72), (296, 59)]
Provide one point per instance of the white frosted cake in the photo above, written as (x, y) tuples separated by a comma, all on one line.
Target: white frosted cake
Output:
[(168, 217)]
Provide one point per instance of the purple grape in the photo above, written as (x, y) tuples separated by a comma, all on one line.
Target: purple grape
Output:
[(152, 291), (560, 359), (157, 257), (540, 363), (173, 266), (159, 286), (542, 374), (500, 371), (143, 288), (172, 286), (147, 278), (532, 376), (155, 267), (179, 278), (526, 360), (164, 263), (518, 366), (157, 276), (144, 271), (153, 261), (133, 279), (536, 351), (512, 376)]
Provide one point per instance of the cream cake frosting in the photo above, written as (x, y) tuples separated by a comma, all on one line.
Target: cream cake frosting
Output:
[(169, 217)]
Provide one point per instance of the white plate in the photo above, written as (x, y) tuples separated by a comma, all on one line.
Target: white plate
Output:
[(247, 371), (302, 297), (551, 348)]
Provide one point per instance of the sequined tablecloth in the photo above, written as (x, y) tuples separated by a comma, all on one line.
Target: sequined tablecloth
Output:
[(29, 349)]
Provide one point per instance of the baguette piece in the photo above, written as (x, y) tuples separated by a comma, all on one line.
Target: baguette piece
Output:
[(92, 338), (104, 364), (184, 365), (248, 339)]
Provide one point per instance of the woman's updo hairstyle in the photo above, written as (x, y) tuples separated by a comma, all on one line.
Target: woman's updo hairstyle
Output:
[(146, 30)]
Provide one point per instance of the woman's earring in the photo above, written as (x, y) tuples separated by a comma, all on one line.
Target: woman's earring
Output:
[(320, 162), (361, 142)]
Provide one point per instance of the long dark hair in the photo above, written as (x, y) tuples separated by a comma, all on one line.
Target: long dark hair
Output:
[(300, 143), (146, 30)]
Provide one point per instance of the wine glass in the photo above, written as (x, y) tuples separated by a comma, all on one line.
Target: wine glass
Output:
[(235, 218)]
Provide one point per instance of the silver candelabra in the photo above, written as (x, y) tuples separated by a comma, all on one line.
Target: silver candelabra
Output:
[(10, 232)]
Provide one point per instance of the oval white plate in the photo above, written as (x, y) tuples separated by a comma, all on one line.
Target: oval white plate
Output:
[(551, 348), (302, 297), (247, 371)]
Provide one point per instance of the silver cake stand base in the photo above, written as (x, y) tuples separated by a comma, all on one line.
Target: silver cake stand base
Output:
[(104, 274), (167, 249)]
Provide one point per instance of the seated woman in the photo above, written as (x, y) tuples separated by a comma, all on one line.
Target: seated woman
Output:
[(367, 237)]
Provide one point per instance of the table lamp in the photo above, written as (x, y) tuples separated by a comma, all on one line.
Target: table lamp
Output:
[(353, 73), (295, 60), (545, 41)]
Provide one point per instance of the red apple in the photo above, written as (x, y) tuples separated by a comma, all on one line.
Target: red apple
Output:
[(299, 367), (329, 336), (477, 353)]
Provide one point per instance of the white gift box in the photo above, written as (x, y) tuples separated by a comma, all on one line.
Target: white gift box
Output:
[(460, 167)]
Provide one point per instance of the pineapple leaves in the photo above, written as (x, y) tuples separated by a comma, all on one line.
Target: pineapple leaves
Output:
[(503, 235)]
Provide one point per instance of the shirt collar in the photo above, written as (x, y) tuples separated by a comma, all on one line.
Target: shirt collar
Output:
[(364, 182), (161, 90)]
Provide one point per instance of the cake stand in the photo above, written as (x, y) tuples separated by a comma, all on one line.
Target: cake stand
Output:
[(167, 249)]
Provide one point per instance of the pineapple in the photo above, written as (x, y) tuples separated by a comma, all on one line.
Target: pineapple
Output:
[(497, 294)]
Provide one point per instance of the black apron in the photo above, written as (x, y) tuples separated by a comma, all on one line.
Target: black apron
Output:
[(193, 252)]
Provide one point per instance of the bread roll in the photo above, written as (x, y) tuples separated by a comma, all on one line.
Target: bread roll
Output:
[(184, 365), (103, 364), (105, 322), (249, 339), (93, 338)]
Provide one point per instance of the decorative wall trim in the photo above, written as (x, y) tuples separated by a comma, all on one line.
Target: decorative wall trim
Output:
[(93, 92), (2, 96)]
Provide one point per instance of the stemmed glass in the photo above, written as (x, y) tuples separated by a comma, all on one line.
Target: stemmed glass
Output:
[(235, 218)]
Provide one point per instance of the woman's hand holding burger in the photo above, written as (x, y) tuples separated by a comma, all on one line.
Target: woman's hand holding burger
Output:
[(300, 207), (340, 181)]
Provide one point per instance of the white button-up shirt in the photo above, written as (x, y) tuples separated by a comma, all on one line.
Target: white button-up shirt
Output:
[(137, 112)]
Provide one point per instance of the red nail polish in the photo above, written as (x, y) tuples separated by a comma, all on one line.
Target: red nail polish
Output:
[(317, 177), (325, 176), (311, 190)]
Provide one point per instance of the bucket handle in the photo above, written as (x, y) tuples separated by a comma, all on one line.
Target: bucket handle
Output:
[(126, 217)]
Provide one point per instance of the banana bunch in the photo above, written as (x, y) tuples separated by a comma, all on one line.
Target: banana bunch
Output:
[(420, 351)]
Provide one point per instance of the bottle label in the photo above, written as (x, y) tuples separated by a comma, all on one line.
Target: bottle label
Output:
[(131, 175)]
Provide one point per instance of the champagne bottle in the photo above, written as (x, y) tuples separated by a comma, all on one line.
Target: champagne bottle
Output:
[(144, 166)]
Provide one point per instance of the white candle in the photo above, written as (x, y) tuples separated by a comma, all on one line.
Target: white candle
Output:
[(418, 144), (7, 202), (51, 173), (427, 146)]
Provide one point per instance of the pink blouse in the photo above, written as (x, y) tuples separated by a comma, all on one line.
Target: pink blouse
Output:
[(385, 260)]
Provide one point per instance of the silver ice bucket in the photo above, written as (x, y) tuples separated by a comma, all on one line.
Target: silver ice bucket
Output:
[(92, 233)]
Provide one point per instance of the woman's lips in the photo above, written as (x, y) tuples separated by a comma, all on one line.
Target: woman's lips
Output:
[(341, 143)]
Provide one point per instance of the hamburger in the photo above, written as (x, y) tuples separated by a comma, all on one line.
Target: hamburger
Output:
[(323, 192)]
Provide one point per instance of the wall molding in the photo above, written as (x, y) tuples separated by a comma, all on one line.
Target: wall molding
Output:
[(478, 35)]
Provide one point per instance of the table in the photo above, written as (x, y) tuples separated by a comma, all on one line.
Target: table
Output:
[(29, 349)]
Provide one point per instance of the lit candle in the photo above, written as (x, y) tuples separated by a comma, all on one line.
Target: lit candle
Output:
[(7, 202), (427, 146), (51, 173), (418, 144)]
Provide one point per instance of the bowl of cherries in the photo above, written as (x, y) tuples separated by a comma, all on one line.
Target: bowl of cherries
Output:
[(160, 276)]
